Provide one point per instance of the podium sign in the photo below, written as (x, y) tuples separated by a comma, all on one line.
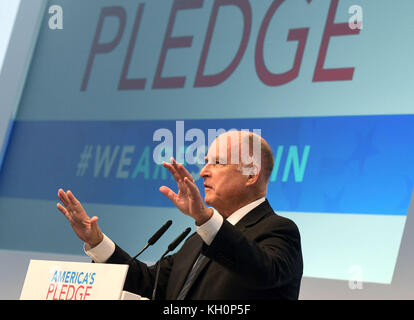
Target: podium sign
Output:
[(58, 280)]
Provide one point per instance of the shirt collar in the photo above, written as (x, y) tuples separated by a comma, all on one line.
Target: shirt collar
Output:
[(240, 213)]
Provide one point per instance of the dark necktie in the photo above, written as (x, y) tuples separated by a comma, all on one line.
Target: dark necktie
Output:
[(191, 277)]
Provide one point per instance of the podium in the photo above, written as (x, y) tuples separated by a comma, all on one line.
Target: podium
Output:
[(61, 280)]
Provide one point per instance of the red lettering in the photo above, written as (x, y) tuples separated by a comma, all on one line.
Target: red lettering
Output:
[(62, 291), (86, 292), (118, 12), (300, 35), (132, 84), (72, 293), (332, 29), (213, 80), (80, 293), (50, 290), (54, 293), (174, 42)]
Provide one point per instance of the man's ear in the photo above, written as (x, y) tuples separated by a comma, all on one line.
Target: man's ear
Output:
[(252, 179), (252, 173)]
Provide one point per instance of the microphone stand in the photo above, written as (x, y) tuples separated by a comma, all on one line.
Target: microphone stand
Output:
[(171, 247), (153, 239)]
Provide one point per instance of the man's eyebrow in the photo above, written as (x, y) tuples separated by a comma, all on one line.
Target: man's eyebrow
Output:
[(211, 158)]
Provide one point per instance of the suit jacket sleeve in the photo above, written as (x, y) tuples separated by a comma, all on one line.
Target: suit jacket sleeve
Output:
[(264, 260), (141, 277)]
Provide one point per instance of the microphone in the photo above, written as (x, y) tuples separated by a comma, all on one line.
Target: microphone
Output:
[(177, 241), (159, 233), (170, 248), (153, 239)]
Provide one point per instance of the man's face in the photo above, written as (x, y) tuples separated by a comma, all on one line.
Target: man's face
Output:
[(224, 183)]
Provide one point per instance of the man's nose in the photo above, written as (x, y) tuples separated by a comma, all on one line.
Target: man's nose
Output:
[(204, 172)]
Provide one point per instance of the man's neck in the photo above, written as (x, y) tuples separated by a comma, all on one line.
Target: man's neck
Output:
[(227, 212)]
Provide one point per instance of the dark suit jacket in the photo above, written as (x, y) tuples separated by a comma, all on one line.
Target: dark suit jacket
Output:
[(258, 258)]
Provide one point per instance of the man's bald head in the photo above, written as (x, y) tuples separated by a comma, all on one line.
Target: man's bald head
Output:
[(239, 164), (248, 149)]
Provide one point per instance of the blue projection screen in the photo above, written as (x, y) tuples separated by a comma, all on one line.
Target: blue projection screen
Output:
[(326, 82)]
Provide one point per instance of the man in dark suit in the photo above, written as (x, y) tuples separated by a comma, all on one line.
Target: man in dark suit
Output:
[(241, 250)]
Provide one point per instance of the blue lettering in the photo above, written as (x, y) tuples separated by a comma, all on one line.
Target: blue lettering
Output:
[(143, 164), (61, 276), (54, 277), (85, 280), (277, 163), (79, 281), (67, 277), (72, 277), (293, 159)]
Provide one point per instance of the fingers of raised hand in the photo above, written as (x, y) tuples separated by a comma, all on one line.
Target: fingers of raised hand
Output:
[(183, 172), (71, 206), (168, 193), (192, 188), (177, 170), (64, 211), (74, 203), (63, 197), (172, 170), (180, 170)]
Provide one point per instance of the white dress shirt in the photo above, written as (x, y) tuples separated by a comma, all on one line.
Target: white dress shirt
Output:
[(206, 231)]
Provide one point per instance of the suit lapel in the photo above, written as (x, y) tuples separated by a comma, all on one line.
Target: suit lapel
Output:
[(254, 216), (194, 249)]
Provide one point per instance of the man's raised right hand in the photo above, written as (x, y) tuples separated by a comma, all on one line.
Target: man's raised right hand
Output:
[(86, 228)]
